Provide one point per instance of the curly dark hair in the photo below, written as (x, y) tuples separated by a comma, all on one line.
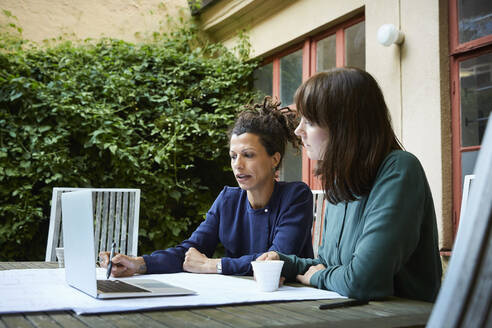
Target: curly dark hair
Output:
[(274, 125)]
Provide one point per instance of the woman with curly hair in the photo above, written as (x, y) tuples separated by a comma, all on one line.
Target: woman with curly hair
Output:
[(259, 215), (380, 235)]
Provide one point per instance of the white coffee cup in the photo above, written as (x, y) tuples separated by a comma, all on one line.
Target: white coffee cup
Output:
[(60, 256), (267, 274)]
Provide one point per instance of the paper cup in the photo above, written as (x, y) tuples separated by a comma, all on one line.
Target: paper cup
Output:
[(60, 256), (267, 274)]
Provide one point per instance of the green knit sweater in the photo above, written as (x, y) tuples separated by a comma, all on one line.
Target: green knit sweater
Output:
[(384, 243)]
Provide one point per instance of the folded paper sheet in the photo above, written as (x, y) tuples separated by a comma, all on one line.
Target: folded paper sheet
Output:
[(35, 290)]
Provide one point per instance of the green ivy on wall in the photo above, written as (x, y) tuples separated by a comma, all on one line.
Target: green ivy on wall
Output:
[(116, 114)]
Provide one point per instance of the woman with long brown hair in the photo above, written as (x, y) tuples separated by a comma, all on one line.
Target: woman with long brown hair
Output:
[(380, 235)]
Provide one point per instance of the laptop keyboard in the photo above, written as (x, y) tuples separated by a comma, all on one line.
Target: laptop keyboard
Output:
[(117, 286)]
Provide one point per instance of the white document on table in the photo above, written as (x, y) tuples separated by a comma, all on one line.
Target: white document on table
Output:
[(33, 290)]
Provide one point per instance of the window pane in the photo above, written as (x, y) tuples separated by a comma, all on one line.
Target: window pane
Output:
[(476, 98), (355, 46), (468, 160), (474, 19), (290, 76), (326, 55), (263, 77), (291, 169)]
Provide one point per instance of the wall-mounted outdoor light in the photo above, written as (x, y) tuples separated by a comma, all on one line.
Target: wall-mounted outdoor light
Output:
[(389, 34)]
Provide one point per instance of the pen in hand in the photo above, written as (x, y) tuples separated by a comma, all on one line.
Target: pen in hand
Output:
[(110, 263)]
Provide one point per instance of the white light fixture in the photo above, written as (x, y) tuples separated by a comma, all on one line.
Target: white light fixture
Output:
[(389, 34)]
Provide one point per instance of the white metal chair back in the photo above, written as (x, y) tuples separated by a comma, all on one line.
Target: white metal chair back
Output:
[(466, 193), (318, 215), (116, 214)]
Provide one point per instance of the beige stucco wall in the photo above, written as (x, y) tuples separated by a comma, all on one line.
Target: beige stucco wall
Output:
[(423, 101), (129, 20), (411, 75)]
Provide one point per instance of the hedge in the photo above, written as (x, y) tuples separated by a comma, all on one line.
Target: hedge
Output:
[(115, 114)]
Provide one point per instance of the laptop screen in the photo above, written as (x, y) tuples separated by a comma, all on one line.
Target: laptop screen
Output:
[(78, 239)]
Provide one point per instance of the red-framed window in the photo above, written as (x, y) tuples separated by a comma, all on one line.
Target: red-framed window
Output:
[(470, 40), (282, 73)]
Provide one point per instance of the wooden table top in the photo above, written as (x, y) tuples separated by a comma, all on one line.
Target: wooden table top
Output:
[(394, 312)]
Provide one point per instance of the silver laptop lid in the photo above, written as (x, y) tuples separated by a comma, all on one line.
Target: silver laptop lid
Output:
[(78, 240)]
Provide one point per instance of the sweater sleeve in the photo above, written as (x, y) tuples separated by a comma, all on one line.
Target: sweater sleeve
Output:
[(239, 266), (291, 231), (292, 234), (204, 239), (294, 265), (391, 230)]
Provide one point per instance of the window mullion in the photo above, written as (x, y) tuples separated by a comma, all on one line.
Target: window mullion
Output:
[(456, 142), (340, 46), (276, 78), (306, 59)]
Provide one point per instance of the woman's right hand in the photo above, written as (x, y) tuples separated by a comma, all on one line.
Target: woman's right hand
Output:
[(123, 265), (268, 256)]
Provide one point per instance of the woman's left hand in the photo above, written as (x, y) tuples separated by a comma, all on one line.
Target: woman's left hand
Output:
[(197, 262), (306, 277)]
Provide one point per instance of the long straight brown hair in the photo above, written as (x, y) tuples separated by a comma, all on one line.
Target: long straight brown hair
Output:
[(349, 104)]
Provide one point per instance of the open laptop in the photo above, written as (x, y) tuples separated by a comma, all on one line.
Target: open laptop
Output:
[(80, 262)]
